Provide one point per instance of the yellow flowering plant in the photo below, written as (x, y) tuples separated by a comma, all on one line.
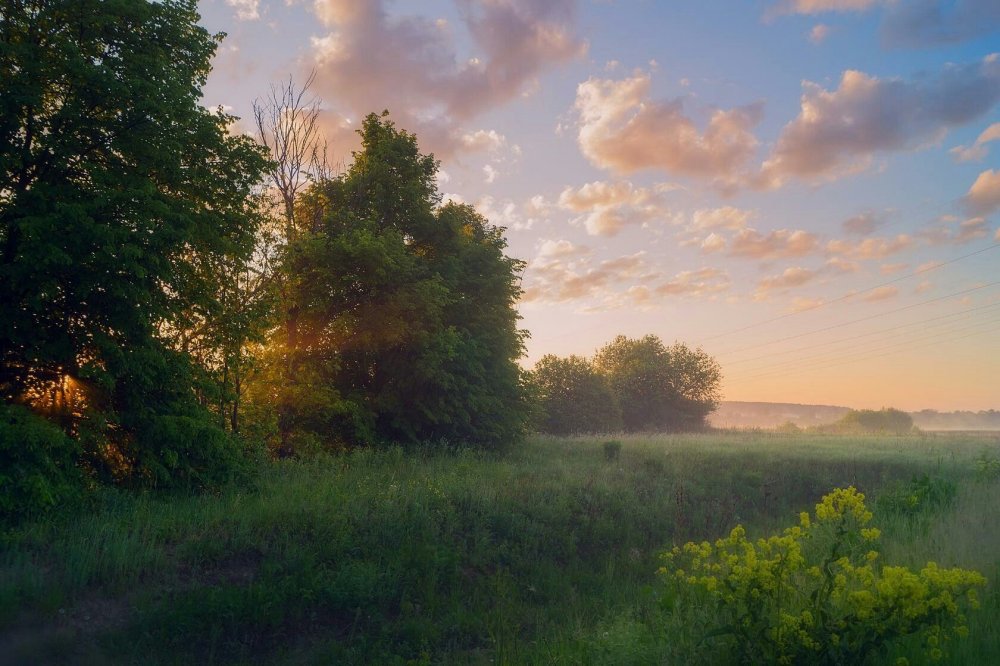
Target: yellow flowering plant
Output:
[(817, 593)]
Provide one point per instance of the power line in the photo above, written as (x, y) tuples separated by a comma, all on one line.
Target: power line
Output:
[(825, 358), (921, 271), (870, 317), (862, 335), (866, 358)]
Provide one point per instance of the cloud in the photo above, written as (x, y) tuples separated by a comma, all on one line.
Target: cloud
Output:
[(881, 294), (562, 272), (554, 279), (796, 276), (912, 23), (978, 150), (752, 244), (726, 217), (623, 130), (369, 60), (608, 207), (819, 33), (869, 248), (922, 23), (561, 248), (891, 269), (713, 243), (820, 6), (838, 132), (246, 10), (983, 197), (966, 231), (507, 213), (861, 224)]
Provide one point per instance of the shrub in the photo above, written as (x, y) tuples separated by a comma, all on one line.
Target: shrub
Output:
[(816, 594), (37, 465), (886, 421), (921, 495), (186, 452), (612, 449)]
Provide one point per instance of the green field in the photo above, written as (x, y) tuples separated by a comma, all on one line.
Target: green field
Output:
[(545, 554)]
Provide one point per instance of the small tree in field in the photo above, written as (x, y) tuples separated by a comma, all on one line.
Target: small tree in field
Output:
[(574, 397)]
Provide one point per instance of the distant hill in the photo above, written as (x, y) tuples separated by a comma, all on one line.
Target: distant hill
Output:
[(735, 414)]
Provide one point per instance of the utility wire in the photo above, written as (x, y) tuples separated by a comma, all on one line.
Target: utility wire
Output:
[(862, 335), (839, 354), (870, 317), (866, 358), (921, 271)]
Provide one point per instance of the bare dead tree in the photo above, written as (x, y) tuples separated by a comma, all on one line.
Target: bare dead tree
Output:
[(287, 124)]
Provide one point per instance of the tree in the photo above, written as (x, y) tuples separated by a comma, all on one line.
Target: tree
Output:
[(117, 188), (407, 323), (287, 125), (659, 387), (574, 397)]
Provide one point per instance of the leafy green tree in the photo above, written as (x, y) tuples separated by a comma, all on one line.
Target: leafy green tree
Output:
[(659, 387), (117, 189), (407, 327), (574, 397)]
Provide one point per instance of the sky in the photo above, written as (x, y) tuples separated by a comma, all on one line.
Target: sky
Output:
[(808, 190)]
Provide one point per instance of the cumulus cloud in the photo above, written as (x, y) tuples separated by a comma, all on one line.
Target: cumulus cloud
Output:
[(978, 150), (820, 6), (983, 197), (622, 129), (509, 214), (752, 244), (869, 248), (881, 294), (726, 217), (913, 23), (563, 272), (819, 33), (246, 10), (921, 23), (861, 224), (607, 207), (370, 60), (952, 231), (838, 132), (796, 276)]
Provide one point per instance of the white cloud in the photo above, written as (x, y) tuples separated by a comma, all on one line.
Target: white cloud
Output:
[(838, 132), (246, 10), (608, 207), (369, 60), (983, 198), (623, 130), (978, 150)]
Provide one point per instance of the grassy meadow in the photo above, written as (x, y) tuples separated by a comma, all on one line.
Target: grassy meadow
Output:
[(543, 555)]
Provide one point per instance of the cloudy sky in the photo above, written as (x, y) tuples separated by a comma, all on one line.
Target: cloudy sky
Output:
[(807, 189)]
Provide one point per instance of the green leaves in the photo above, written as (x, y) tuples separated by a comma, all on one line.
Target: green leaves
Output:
[(118, 189)]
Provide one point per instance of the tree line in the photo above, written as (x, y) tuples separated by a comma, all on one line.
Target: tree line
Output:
[(630, 385), (175, 295)]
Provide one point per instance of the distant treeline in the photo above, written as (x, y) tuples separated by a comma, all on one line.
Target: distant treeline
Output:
[(736, 414)]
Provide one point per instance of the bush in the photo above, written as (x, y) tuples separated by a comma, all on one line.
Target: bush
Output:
[(815, 594), (884, 421), (38, 469), (186, 452), (921, 495), (612, 449)]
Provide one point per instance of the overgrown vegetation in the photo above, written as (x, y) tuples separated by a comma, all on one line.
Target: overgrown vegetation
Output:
[(547, 554)]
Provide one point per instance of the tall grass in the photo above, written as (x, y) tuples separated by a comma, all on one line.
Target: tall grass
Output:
[(544, 555)]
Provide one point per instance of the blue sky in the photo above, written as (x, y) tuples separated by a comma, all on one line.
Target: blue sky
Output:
[(762, 179)]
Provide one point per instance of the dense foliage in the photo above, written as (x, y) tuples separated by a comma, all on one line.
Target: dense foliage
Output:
[(632, 385), (817, 594), (405, 328), (573, 397)]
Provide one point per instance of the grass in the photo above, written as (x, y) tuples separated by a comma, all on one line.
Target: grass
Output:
[(544, 555)]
